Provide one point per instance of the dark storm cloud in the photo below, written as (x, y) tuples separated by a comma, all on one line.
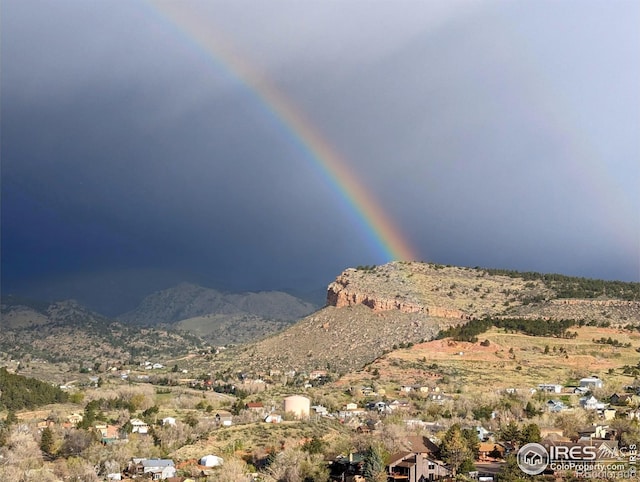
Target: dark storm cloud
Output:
[(494, 134)]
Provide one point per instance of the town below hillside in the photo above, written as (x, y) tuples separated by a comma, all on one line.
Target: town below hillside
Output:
[(412, 371)]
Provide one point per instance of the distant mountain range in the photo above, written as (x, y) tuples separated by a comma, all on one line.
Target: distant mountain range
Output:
[(47, 330), (219, 317), (67, 332), (188, 300)]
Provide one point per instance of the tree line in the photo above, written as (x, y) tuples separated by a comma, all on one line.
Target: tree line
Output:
[(534, 327), (575, 287), (18, 392)]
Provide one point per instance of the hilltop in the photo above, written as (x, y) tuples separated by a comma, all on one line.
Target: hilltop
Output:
[(372, 310), (220, 317), (66, 333)]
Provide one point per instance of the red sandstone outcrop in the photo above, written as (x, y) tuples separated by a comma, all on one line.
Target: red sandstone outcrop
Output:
[(340, 295)]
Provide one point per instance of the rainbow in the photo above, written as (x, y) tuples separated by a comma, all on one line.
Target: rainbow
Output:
[(379, 228)]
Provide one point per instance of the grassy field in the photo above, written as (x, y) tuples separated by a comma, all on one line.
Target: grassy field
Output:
[(509, 360)]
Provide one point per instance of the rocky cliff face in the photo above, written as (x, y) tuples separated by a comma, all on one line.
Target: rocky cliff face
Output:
[(342, 292), (456, 293), (371, 309)]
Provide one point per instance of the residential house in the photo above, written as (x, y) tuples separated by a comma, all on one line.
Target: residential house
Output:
[(257, 407), (366, 427), (108, 433), (367, 391), (591, 382), (168, 421), (616, 399), (320, 410), (591, 403), (488, 450), (628, 399), (138, 426), (399, 405), (381, 407), (556, 406), (593, 432), (351, 412), (483, 433), (158, 469), (415, 467), (550, 388), (224, 419), (422, 445), (345, 469), (551, 433)]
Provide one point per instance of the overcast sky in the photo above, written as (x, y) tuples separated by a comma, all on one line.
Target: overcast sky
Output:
[(136, 155)]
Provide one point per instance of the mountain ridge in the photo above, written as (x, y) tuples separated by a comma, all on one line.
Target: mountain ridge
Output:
[(372, 309), (67, 332), (187, 300)]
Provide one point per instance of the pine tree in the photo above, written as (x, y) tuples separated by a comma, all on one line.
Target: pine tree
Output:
[(530, 433), (455, 448), (373, 467), (46, 440)]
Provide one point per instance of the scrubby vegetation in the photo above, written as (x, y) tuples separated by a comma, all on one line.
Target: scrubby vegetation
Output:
[(18, 392), (534, 327), (575, 287)]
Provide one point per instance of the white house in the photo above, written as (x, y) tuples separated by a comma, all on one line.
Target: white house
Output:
[(168, 421), (320, 410), (591, 382), (550, 388), (159, 468), (591, 403), (138, 426)]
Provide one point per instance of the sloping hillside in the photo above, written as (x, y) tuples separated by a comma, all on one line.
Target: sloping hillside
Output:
[(342, 338), (371, 309), (68, 332)]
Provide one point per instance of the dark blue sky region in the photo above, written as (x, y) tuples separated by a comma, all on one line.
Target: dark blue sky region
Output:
[(501, 134)]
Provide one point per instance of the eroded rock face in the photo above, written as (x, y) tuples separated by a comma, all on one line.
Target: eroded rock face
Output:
[(341, 294), (341, 297)]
